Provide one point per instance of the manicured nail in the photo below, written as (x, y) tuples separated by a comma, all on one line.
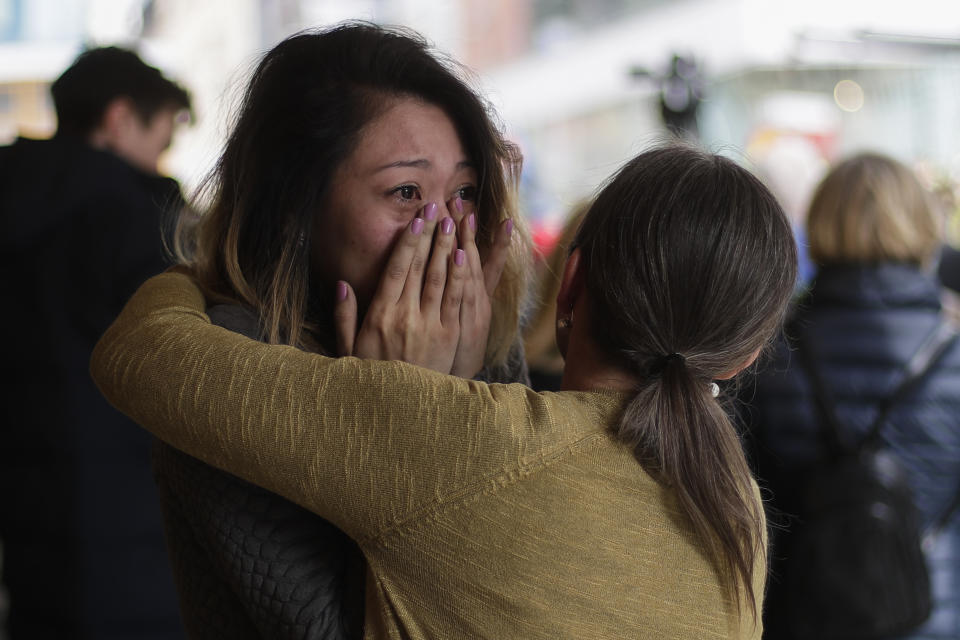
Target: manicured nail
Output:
[(341, 291), (430, 211), (416, 226), (447, 225), (458, 257), (509, 227), (472, 220), (458, 203)]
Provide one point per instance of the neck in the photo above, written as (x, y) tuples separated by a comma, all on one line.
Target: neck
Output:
[(591, 379), (587, 367)]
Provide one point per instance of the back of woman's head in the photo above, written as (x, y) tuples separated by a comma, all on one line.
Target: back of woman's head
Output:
[(301, 117), (871, 209), (689, 265)]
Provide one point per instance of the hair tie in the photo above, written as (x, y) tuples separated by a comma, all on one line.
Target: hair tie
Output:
[(662, 362)]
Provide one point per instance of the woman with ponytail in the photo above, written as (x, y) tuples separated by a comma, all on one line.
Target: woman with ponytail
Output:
[(620, 507)]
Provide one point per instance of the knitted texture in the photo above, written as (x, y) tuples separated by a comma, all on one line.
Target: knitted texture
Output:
[(484, 511), (249, 563)]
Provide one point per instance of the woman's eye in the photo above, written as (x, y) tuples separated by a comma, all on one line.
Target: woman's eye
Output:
[(407, 192), (467, 193)]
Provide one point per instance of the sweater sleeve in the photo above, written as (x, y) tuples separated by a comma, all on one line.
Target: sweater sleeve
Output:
[(366, 444)]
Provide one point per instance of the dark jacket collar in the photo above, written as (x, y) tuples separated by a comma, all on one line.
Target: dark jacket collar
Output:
[(877, 286)]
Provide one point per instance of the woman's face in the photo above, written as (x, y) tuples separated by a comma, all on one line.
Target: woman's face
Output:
[(407, 157)]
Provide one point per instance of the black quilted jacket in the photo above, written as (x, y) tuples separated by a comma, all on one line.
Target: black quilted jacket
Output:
[(250, 564)]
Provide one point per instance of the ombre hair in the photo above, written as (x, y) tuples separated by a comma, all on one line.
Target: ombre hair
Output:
[(871, 209), (301, 117), (689, 265)]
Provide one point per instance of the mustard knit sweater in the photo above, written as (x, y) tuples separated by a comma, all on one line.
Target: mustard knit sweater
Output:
[(484, 511)]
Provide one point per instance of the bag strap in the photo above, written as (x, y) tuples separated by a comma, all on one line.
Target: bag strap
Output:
[(932, 348), (931, 535), (916, 368), (828, 428), (919, 365)]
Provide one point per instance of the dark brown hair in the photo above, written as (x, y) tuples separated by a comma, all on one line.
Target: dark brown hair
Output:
[(690, 263), (301, 117)]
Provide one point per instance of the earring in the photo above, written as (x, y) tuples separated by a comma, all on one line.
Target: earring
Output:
[(714, 389), (564, 323)]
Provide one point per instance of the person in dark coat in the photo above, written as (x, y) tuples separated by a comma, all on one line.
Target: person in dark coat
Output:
[(82, 213), (875, 298)]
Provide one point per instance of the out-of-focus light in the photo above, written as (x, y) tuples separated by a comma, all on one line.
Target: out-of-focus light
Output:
[(848, 95)]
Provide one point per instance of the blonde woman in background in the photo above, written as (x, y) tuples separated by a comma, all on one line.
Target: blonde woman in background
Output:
[(874, 235)]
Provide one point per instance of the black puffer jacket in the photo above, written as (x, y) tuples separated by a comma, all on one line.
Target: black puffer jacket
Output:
[(865, 323), (250, 564)]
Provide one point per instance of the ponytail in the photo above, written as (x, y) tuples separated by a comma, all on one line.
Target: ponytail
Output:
[(685, 253), (682, 435)]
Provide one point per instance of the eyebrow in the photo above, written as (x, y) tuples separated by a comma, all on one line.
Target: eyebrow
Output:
[(419, 163)]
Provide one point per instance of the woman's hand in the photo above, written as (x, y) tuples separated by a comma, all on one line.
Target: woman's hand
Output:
[(481, 282), (415, 314)]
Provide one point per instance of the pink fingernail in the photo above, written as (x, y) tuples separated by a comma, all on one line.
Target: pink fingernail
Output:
[(416, 226), (447, 226), (473, 222), (458, 257), (509, 227), (458, 203), (430, 211), (341, 291)]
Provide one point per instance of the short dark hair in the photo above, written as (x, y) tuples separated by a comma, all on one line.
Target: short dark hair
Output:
[(98, 76)]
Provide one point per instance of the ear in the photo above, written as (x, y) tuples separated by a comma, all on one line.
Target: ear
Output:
[(571, 283), (571, 287), (746, 363), (116, 119)]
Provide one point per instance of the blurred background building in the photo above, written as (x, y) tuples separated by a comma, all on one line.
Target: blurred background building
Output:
[(581, 85)]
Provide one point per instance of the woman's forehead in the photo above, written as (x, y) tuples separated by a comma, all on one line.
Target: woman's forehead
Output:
[(410, 132)]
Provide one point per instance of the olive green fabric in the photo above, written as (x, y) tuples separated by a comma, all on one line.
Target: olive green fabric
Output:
[(484, 511)]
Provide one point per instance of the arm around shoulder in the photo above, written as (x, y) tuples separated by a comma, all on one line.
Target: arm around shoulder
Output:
[(310, 428)]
